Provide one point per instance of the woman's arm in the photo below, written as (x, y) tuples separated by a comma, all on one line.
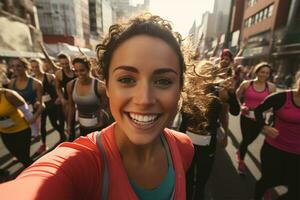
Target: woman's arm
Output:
[(274, 101), (17, 101), (234, 105), (50, 61), (37, 86)]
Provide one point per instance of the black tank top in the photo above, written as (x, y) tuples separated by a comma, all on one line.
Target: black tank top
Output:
[(64, 81), (49, 88)]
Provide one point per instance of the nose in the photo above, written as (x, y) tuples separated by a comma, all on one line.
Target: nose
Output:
[(144, 95)]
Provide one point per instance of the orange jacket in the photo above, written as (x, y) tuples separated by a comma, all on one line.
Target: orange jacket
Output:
[(73, 171)]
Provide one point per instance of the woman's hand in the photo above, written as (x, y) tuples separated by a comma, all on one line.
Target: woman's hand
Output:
[(244, 109), (270, 131)]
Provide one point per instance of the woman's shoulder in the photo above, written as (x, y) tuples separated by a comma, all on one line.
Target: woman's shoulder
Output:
[(184, 145)]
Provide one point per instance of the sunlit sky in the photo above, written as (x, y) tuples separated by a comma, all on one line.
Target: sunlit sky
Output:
[(181, 13)]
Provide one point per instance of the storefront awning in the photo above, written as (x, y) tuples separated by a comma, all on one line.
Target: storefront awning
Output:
[(24, 54), (55, 49), (285, 53), (256, 51)]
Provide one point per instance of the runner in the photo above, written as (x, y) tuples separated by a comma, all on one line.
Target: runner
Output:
[(89, 97), (15, 118), (62, 77), (253, 92), (51, 102), (280, 154), (30, 89), (205, 109)]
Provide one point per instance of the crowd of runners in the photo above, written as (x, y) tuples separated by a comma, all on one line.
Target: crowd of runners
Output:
[(86, 94)]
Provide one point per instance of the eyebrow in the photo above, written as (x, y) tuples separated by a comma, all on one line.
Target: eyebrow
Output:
[(135, 70)]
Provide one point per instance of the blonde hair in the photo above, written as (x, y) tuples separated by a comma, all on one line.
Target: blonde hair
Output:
[(197, 93)]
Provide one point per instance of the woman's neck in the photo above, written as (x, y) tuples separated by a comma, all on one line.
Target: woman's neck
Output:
[(140, 153), (260, 82), (85, 81), (23, 77)]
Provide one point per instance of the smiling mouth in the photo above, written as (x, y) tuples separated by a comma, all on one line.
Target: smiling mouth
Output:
[(144, 119)]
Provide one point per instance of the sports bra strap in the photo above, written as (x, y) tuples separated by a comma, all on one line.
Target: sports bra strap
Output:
[(105, 180)]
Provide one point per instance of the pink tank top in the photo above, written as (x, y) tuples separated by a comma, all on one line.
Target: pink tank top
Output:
[(287, 122), (253, 98)]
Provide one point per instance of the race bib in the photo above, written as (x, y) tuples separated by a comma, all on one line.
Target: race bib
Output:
[(202, 140), (46, 98), (88, 122), (251, 114), (6, 122)]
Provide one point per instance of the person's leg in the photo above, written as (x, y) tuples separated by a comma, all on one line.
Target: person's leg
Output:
[(43, 125), (85, 131), (204, 167), (53, 120), (291, 176), (19, 145), (190, 176), (72, 130), (250, 132), (271, 170)]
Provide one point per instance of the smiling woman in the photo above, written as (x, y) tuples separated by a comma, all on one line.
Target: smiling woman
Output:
[(137, 157)]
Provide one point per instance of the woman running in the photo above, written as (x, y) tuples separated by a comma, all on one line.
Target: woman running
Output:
[(51, 103), (15, 131), (253, 92), (280, 154), (205, 109), (62, 77), (137, 156), (29, 88), (89, 96)]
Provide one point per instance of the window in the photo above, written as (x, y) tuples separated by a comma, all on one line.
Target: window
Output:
[(54, 6), (247, 23), (261, 14), (266, 10), (256, 18), (270, 10)]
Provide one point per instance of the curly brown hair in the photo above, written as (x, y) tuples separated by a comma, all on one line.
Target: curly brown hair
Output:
[(145, 24)]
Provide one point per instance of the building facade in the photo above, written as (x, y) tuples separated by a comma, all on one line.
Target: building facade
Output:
[(61, 21), (19, 18)]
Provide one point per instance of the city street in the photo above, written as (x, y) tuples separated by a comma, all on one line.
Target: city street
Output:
[(224, 184)]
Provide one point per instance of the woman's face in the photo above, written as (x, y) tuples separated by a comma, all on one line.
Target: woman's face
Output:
[(81, 71), (143, 87), (17, 67), (263, 73), (225, 61), (35, 67)]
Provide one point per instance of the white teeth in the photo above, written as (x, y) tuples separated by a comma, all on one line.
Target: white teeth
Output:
[(143, 118)]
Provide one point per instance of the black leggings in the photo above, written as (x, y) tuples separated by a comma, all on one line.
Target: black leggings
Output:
[(279, 168), (62, 119), (18, 145), (250, 131), (53, 113), (85, 131), (200, 170)]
